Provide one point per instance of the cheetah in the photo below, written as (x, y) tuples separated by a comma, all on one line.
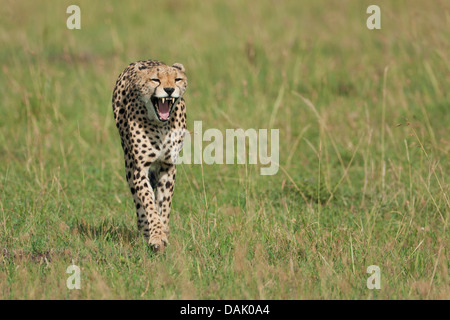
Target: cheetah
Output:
[(150, 114)]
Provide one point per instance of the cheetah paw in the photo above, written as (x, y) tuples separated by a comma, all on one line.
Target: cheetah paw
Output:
[(158, 242)]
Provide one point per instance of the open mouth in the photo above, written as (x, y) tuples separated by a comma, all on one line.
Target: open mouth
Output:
[(163, 106)]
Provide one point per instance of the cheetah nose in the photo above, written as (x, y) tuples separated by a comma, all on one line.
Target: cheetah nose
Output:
[(169, 90)]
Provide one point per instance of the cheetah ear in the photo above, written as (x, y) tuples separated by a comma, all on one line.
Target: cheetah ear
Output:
[(179, 66)]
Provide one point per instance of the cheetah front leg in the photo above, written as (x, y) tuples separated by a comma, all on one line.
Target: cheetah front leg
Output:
[(149, 221), (164, 192)]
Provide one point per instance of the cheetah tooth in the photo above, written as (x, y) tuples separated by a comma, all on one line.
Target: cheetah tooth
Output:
[(163, 100)]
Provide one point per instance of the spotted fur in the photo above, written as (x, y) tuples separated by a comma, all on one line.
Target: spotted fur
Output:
[(150, 115)]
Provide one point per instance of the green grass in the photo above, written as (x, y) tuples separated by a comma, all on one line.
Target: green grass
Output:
[(364, 148)]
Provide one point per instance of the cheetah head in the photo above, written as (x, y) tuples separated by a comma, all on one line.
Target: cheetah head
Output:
[(162, 87)]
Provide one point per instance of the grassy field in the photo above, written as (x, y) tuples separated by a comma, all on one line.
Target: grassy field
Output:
[(363, 118)]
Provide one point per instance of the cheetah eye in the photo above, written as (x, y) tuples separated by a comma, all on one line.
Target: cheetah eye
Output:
[(155, 80), (178, 79)]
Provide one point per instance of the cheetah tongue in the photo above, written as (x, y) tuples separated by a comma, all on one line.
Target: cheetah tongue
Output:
[(164, 108)]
